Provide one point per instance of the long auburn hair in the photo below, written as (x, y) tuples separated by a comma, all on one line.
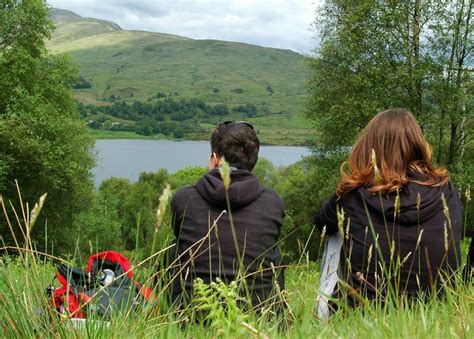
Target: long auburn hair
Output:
[(390, 152)]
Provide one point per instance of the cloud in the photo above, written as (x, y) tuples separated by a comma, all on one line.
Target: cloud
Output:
[(270, 23)]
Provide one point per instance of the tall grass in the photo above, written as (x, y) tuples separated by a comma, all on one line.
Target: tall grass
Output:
[(26, 311)]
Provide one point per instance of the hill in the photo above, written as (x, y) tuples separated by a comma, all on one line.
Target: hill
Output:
[(119, 64)]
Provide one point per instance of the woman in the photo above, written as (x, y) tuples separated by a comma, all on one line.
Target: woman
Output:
[(400, 216)]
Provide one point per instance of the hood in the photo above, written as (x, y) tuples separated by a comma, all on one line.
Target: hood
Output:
[(412, 212), (244, 188)]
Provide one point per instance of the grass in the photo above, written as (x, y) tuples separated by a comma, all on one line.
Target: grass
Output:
[(25, 310), (278, 129), (105, 134)]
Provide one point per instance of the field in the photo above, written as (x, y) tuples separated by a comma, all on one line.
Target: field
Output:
[(271, 130), (24, 312)]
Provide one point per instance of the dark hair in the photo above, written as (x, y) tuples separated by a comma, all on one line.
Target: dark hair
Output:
[(238, 143)]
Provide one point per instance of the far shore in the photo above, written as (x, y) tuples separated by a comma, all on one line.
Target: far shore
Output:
[(107, 134)]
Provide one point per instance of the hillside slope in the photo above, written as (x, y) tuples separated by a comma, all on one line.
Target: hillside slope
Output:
[(136, 65)]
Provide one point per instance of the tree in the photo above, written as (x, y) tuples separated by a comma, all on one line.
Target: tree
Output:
[(377, 54), (43, 143)]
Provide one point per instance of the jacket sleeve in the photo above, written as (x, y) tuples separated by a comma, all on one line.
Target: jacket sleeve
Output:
[(327, 216), (176, 217)]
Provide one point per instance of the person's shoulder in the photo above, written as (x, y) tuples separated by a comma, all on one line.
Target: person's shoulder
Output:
[(182, 195), (274, 197), (451, 191)]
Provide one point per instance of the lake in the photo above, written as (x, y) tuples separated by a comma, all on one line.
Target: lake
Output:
[(127, 158)]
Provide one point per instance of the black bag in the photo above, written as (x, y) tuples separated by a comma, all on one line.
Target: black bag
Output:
[(106, 285)]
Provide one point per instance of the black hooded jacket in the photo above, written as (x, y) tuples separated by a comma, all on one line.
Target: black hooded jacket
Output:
[(415, 246), (204, 241)]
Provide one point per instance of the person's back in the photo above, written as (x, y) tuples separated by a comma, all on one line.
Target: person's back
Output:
[(403, 217), (205, 227)]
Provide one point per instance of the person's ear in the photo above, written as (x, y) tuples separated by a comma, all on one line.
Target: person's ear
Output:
[(214, 161)]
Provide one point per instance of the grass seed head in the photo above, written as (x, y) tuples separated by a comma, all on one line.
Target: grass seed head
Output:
[(164, 198), (224, 170), (36, 212)]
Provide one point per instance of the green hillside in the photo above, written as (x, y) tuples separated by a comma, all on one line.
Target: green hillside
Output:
[(136, 65)]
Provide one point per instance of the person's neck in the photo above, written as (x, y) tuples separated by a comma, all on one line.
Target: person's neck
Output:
[(232, 168)]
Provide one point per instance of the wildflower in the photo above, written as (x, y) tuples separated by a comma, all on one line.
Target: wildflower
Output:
[(467, 193)]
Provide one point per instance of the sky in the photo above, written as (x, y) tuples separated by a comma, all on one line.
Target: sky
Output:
[(283, 24)]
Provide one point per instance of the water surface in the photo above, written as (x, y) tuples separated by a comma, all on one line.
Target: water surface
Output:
[(128, 158)]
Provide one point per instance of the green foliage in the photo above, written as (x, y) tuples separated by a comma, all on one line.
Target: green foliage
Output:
[(187, 176), (266, 172), (376, 55), (98, 228), (43, 144), (82, 83), (122, 215), (304, 186), (216, 305), (138, 210)]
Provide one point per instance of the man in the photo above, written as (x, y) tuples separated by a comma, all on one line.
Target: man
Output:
[(204, 226)]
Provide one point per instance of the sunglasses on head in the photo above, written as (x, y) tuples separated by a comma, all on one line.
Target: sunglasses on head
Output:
[(236, 122)]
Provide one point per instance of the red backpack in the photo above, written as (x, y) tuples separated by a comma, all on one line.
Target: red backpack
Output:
[(106, 285)]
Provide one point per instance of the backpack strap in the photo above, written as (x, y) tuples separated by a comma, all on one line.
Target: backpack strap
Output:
[(66, 297), (119, 259), (115, 257)]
